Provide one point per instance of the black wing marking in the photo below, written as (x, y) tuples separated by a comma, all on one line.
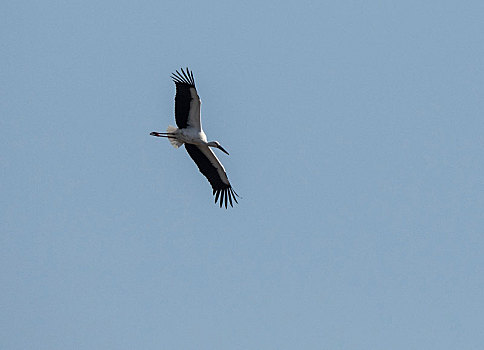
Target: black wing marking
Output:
[(184, 82), (221, 189)]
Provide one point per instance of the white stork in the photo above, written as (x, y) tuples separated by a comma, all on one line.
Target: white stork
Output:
[(190, 133)]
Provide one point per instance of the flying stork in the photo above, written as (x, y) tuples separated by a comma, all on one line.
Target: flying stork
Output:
[(190, 133)]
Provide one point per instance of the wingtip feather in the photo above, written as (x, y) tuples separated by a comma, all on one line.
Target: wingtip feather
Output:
[(183, 77)]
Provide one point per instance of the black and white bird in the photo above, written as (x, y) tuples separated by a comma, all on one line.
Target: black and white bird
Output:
[(190, 133)]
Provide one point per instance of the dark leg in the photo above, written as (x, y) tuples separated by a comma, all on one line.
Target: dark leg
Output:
[(162, 134)]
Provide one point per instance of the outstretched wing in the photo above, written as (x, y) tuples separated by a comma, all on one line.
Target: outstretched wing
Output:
[(213, 170), (187, 102)]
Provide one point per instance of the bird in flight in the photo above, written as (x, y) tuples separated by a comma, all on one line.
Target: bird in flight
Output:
[(190, 134)]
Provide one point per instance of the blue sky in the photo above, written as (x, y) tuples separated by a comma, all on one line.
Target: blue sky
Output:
[(355, 131)]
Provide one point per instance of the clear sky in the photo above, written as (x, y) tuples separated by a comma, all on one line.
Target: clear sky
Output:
[(355, 131)]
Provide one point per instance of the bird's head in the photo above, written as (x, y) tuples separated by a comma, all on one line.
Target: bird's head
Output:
[(217, 145)]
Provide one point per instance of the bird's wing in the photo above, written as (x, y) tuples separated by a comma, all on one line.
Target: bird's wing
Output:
[(187, 102), (213, 170)]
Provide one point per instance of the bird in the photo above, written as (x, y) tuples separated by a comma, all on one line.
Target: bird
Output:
[(190, 134)]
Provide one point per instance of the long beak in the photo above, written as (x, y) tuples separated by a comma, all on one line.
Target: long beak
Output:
[(223, 150)]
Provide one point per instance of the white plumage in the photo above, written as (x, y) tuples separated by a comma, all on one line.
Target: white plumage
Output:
[(190, 133)]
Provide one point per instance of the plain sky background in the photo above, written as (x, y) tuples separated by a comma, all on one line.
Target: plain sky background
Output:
[(355, 131)]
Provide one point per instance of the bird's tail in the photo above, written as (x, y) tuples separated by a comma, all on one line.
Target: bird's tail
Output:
[(174, 142)]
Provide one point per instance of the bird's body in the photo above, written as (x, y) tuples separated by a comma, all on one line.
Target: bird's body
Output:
[(190, 134)]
